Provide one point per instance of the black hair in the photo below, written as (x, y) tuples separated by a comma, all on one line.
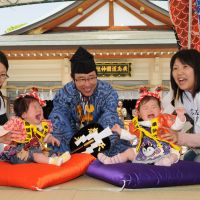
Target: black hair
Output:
[(21, 104), (4, 60), (190, 57)]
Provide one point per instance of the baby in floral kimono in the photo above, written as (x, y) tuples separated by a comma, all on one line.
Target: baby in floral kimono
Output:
[(35, 133), (146, 130)]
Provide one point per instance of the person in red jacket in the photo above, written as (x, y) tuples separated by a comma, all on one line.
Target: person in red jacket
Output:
[(145, 130), (35, 132)]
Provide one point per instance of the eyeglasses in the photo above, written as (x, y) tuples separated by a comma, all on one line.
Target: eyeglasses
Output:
[(4, 76), (82, 81)]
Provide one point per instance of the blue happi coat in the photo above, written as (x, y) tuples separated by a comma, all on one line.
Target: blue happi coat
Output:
[(66, 120)]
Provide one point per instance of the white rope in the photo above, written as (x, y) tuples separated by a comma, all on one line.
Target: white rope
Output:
[(85, 189), (46, 189)]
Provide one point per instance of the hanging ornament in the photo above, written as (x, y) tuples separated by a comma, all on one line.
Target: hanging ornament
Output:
[(186, 20)]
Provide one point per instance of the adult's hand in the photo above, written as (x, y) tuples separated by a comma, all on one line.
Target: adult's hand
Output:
[(10, 136), (6, 139), (169, 135)]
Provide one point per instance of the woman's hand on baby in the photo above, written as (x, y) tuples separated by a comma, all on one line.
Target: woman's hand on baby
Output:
[(116, 128), (6, 139), (12, 136), (171, 136)]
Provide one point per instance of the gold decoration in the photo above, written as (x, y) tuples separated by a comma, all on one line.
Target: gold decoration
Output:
[(89, 108), (77, 138), (80, 10), (88, 117), (142, 9), (101, 146), (92, 130)]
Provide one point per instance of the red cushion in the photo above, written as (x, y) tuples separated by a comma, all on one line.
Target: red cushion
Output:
[(37, 176)]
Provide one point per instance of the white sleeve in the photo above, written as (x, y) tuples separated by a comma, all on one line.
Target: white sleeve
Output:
[(125, 135), (178, 124)]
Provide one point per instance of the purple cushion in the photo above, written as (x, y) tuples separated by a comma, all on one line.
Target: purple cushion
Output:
[(131, 175)]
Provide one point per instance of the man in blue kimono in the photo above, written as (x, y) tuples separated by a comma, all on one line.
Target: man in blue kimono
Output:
[(85, 100)]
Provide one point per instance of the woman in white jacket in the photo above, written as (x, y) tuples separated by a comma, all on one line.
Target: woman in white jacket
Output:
[(185, 83)]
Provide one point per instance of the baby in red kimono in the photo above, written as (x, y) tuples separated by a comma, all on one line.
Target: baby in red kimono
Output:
[(145, 131), (35, 133)]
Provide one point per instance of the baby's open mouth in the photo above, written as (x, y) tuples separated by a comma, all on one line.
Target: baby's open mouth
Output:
[(151, 116), (38, 117)]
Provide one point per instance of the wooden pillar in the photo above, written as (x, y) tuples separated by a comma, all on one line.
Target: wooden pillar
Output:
[(66, 71), (155, 77)]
